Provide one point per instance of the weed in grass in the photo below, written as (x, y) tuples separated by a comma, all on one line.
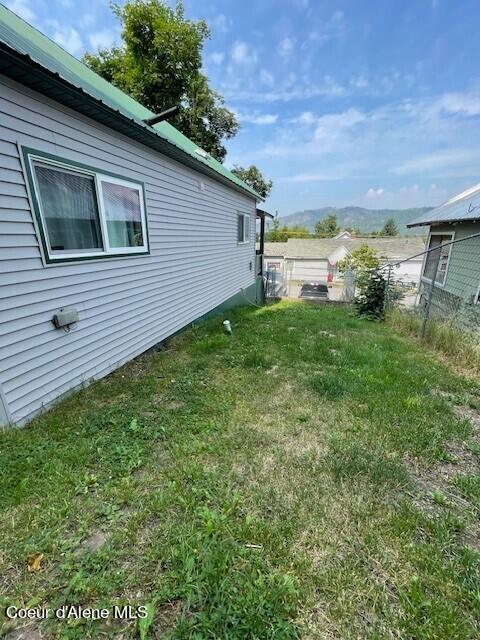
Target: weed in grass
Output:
[(469, 487)]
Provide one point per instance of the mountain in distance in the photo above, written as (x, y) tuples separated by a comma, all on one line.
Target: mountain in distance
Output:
[(366, 220)]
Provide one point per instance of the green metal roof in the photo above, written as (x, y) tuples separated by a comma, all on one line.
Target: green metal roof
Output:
[(31, 52)]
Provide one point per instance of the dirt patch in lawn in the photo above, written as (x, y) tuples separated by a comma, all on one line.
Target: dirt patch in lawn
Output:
[(166, 618), (93, 543), (28, 632), (435, 485)]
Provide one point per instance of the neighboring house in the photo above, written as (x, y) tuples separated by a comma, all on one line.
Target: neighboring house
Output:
[(303, 260), (343, 235), (128, 228), (456, 287)]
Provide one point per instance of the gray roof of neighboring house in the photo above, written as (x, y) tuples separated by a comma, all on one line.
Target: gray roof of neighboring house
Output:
[(275, 249), (462, 208), (386, 248)]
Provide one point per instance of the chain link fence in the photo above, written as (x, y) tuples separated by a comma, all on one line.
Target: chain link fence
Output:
[(448, 292), (440, 285)]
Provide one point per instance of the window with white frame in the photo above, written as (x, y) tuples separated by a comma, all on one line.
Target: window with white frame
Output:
[(84, 213), (439, 254), (243, 228)]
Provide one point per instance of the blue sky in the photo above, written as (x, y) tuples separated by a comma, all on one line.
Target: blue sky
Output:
[(367, 102)]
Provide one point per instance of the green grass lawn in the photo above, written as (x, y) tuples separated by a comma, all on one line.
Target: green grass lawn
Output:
[(312, 476)]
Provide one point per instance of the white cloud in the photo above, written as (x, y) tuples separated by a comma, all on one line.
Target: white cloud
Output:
[(307, 118), (311, 177), (289, 90), (242, 53), (332, 125), (359, 82), (221, 22), (257, 118), (420, 143), (103, 39), (217, 57), (266, 78), (69, 38), (23, 8), (405, 196), (87, 20), (268, 118), (332, 28), (467, 104), (285, 47), (375, 193), (438, 160)]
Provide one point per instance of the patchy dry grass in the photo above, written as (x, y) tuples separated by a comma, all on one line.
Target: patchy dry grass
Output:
[(460, 345), (314, 476)]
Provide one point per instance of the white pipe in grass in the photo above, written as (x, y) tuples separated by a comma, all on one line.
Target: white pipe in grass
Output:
[(227, 326)]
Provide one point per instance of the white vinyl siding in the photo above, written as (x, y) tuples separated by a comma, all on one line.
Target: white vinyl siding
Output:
[(126, 304)]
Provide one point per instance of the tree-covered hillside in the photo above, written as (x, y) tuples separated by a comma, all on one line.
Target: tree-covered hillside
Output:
[(365, 220)]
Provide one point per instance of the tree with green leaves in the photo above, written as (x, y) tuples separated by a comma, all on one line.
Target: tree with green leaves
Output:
[(362, 261), (390, 228), (327, 228), (361, 258), (370, 303), (254, 178), (159, 64)]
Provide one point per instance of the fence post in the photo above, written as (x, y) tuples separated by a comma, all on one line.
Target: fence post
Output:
[(387, 289), (426, 312)]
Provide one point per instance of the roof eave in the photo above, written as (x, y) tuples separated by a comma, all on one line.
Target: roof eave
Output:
[(264, 214), (24, 70), (448, 221), (417, 224)]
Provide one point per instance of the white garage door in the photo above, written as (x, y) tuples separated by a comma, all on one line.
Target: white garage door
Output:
[(310, 270)]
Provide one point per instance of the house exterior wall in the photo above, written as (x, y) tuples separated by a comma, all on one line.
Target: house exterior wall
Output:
[(312, 269), (458, 296), (463, 276), (125, 304), (273, 263), (407, 272), (308, 269)]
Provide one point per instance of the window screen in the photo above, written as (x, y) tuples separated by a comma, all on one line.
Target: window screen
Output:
[(240, 228), (246, 228), (123, 214), (243, 228), (69, 208), (437, 244)]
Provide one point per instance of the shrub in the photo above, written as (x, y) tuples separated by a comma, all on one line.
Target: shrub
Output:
[(370, 302)]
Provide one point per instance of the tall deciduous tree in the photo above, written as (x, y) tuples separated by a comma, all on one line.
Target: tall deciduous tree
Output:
[(328, 227), (254, 178), (159, 64)]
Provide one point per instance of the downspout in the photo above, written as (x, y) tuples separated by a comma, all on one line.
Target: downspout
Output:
[(5, 417), (262, 236)]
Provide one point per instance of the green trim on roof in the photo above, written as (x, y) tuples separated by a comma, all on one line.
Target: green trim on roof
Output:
[(25, 40)]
